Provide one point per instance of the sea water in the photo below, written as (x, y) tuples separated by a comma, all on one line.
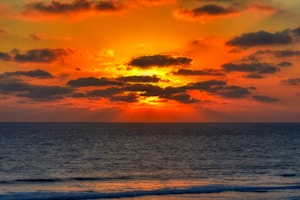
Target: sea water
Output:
[(139, 161)]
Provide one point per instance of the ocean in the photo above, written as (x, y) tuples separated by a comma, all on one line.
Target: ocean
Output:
[(143, 161)]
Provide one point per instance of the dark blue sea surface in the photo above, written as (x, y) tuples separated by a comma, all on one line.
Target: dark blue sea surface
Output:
[(149, 161)]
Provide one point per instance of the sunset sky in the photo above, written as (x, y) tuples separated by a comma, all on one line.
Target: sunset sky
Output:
[(150, 60)]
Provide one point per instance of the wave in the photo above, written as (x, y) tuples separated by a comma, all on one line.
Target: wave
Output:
[(129, 194), (57, 180)]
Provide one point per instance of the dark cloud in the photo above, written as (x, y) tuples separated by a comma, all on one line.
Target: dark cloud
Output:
[(292, 81), (233, 92), (180, 94), (91, 81), (75, 6), (105, 92), (5, 56), (34, 55), (280, 53), (297, 31), (206, 72), (129, 98), (153, 79), (111, 5), (146, 89), (12, 85), (169, 91), (204, 11), (159, 60), (211, 10), (265, 99), (223, 8), (34, 73), (261, 54), (46, 93), (221, 88), (208, 86), (40, 55), (78, 95), (183, 98), (256, 68), (261, 38), (35, 92), (285, 64)]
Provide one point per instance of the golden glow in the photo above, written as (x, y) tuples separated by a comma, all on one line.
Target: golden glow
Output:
[(101, 43)]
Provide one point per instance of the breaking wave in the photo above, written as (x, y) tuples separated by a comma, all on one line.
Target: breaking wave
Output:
[(164, 191)]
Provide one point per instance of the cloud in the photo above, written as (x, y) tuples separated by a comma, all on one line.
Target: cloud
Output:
[(179, 94), (208, 86), (40, 55), (129, 98), (46, 93), (159, 60), (183, 98), (34, 55), (99, 6), (204, 12), (146, 89), (205, 72), (265, 99), (169, 91), (73, 7), (5, 56), (223, 8), (257, 68), (297, 31), (292, 81), (279, 53), (233, 91), (285, 64), (91, 81), (34, 73), (260, 38), (273, 54), (105, 92), (35, 92), (153, 79), (221, 88)]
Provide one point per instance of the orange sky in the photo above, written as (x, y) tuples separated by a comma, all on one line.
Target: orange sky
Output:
[(149, 60)]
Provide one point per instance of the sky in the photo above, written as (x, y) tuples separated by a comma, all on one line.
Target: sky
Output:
[(149, 60)]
